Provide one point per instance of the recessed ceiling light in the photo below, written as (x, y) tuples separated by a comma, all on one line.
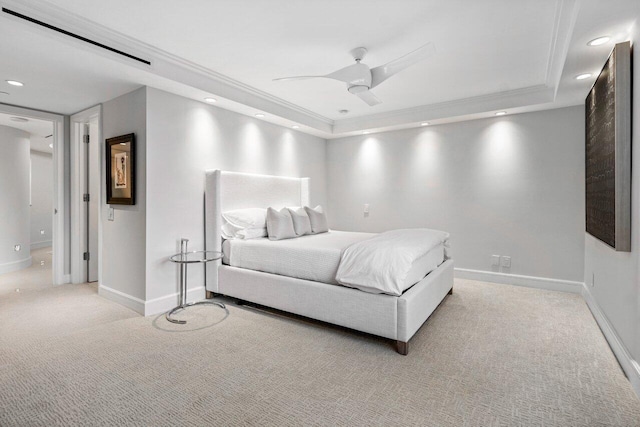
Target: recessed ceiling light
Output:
[(210, 100), (50, 145), (583, 76), (14, 83), (18, 119), (501, 113), (295, 127), (259, 115), (424, 124), (599, 41), (343, 111)]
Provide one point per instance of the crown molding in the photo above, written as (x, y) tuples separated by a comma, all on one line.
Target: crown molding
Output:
[(466, 106), (564, 24)]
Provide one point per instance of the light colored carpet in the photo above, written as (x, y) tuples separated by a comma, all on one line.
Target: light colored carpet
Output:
[(490, 355), (38, 276)]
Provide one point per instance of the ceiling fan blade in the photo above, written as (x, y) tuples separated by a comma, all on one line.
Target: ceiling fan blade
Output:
[(357, 73), (368, 97), (383, 72), (296, 78)]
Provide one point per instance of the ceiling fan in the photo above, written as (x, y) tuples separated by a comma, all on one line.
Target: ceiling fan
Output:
[(360, 79)]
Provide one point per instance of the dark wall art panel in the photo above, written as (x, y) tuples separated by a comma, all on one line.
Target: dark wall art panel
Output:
[(608, 152)]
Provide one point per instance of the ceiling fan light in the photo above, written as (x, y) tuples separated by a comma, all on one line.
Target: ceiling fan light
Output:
[(358, 88)]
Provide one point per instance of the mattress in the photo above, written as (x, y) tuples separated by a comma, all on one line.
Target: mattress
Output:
[(315, 257)]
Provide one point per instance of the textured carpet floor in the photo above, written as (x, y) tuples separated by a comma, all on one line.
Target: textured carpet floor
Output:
[(37, 276), (490, 355)]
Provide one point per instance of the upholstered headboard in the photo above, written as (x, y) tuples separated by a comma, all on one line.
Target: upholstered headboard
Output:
[(225, 191)]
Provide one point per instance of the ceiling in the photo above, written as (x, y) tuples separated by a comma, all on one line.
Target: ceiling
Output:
[(491, 55), (39, 130)]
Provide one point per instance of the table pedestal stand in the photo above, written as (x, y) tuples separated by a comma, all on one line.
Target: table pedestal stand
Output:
[(183, 289)]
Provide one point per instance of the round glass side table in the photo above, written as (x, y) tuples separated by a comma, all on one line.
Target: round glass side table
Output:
[(185, 258)]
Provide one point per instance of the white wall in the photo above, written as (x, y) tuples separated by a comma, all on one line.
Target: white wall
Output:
[(41, 199), (509, 185), (123, 243), (14, 199), (185, 138), (616, 287)]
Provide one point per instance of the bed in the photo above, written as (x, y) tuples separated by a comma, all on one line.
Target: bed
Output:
[(298, 275)]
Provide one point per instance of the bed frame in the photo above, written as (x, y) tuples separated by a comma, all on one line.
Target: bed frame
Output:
[(394, 317)]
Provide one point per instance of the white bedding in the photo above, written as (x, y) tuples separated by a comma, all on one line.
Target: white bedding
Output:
[(317, 257), (314, 257), (383, 263)]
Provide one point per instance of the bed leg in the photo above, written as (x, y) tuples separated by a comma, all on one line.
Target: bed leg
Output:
[(451, 291), (402, 347), (208, 295)]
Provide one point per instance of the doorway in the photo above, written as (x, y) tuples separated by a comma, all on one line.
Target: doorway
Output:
[(86, 195), (32, 221)]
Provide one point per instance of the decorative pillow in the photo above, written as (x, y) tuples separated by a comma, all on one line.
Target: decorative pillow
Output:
[(280, 224), (246, 218), (318, 219), (301, 222)]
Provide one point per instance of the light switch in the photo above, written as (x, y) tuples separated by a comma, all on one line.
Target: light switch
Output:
[(495, 260), (111, 214), (506, 261), (366, 208)]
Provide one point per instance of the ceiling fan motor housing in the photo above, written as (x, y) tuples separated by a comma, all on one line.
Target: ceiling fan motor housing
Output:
[(359, 78)]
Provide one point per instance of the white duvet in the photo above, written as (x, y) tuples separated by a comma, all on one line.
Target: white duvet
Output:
[(381, 264)]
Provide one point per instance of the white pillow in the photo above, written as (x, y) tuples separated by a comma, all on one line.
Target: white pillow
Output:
[(229, 231), (251, 233), (301, 223), (246, 218), (318, 219), (280, 224)]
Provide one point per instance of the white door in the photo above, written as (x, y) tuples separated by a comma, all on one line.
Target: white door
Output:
[(93, 186), (85, 195)]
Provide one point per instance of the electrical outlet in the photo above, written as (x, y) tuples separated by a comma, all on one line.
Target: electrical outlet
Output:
[(506, 262), (366, 208), (495, 260), (111, 214), (42, 232), (16, 248)]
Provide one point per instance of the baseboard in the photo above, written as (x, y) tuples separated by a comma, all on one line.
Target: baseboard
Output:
[(519, 280), (151, 307), (42, 244), (167, 302), (15, 265), (135, 304), (630, 367)]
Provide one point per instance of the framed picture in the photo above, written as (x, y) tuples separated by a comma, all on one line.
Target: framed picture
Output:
[(121, 182), (608, 152)]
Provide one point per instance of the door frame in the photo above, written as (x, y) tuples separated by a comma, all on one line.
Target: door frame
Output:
[(78, 161), (60, 227)]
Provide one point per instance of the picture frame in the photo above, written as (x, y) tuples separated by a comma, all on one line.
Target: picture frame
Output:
[(120, 170), (608, 152)]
